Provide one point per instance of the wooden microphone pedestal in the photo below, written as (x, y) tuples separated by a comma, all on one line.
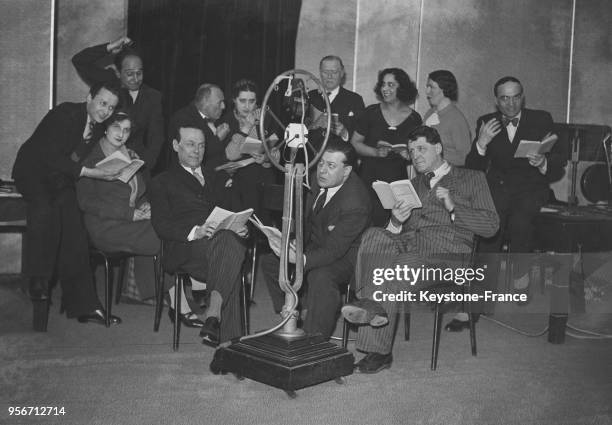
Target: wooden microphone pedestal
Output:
[(285, 363)]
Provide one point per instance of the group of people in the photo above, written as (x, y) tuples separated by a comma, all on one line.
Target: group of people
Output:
[(72, 203)]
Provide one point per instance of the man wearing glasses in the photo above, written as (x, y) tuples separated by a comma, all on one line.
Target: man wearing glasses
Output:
[(519, 186), (346, 105)]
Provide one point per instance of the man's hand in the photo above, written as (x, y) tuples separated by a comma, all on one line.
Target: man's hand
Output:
[(444, 195), (259, 158), (205, 231), (244, 232), (222, 131), (116, 46), (338, 128), (400, 213), (97, 173), (536, 159), (143, 212), (488, 131)]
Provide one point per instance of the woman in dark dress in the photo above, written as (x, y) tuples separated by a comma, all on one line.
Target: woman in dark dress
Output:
[(117, 215), (243, 121), (389, 121)]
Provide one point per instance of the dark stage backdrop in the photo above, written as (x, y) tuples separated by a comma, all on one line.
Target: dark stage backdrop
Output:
[(185, 43)]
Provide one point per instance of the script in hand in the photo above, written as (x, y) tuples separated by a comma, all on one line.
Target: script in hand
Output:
[(272, 233), (234, 165), (229, 220), (395, 148), (251, 145), (526, 147), (119, 162), (401, 190)]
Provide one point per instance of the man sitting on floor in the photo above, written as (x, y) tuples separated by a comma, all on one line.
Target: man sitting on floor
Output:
[(456, 205)]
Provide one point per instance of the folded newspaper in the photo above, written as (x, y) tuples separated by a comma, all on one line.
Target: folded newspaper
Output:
[(229, 220)]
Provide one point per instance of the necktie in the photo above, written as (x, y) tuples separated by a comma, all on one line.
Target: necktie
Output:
[(88, 133), (513, 121), (428, 176), (320, 202), (198, 176)]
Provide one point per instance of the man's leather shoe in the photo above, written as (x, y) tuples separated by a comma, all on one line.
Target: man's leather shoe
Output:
[(365, 311), (99, 317), (190, 319), (210, 332), (374, 363), (456, 325), (38, 291)]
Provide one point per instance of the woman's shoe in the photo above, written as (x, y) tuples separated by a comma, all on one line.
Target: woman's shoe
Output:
[(189, 319)]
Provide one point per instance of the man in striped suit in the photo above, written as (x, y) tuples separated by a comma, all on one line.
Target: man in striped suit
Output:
[(456, 205)]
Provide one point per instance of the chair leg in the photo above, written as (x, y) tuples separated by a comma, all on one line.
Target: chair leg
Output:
[(108, 290), (245, 305), (436, 336), (406, 325), (178, 290), (159, 292), (122, 270), (472, 319), (345, 323), (253, 271)]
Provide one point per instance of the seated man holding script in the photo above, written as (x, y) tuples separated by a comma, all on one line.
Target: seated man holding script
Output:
[(456, 205), (337, 212), (181, 200)]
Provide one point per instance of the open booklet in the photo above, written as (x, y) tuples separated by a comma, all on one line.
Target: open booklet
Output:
[(395, 148), (119, 162), (234, 221), (400, 190), (526, 147), (251, 145), (234, 165), (272, 233)]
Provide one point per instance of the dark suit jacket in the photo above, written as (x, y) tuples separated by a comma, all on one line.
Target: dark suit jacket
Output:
[(148, 129), (178, 203), (347, 104), (516, 173), (51, 157), (190, 116), (335, 232), (430, 229)]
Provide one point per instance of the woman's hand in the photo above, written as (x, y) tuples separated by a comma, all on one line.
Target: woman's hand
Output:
[(259, 158), (143, 212)]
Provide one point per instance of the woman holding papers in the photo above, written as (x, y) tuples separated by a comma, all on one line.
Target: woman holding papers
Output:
[(116, 214), (383, 125), (444, 116), (252, 166)]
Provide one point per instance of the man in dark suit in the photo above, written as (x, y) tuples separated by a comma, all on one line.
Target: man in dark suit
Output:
[(519, 186), (456, 206), (206, 108), (346, 104), (337, 212), (45, 171), (145, 103), (182, 198)]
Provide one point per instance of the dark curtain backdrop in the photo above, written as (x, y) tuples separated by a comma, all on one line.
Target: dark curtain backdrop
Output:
[(185, 43)]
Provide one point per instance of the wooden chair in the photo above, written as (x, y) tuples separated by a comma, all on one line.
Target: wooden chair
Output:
[(109, 260), (180, 279)]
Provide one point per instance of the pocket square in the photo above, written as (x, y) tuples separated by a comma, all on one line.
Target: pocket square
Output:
[(351, 114), (330, 228)]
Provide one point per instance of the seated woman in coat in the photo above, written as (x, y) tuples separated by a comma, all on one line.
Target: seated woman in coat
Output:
[(117, 215)]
